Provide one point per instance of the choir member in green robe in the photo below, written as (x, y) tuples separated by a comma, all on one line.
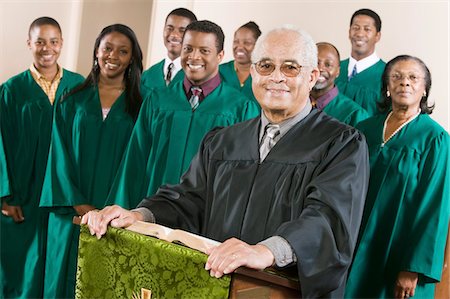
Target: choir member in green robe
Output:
[(237, 72), (168, 71), (325, 95), (91, 129), (26, 109), (405, 222), (360, 76), (168, 131), (286, 188)]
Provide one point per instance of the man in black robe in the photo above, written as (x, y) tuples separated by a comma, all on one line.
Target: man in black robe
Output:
[(284, 189)]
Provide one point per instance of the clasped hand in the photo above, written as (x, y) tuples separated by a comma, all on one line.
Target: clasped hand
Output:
[(223, 259)]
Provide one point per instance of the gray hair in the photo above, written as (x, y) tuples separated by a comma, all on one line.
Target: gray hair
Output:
[(306, 57)]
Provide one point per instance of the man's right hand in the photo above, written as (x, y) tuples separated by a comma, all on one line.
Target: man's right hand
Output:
[(98, 221), (15, 212)]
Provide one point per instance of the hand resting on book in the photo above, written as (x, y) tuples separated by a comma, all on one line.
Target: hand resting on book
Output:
[(223, 258), (117, 216)]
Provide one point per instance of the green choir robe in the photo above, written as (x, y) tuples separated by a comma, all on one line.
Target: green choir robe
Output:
[(154, 76), (405, 221), (26, 118), (365, 87), (84, 157), (345, 110), (4, 181), (167, 136), (228, 75)]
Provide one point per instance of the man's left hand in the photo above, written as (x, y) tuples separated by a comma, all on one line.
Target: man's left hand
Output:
[(234, 253)]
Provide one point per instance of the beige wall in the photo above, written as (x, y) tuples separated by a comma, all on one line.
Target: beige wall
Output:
[(418, 28)]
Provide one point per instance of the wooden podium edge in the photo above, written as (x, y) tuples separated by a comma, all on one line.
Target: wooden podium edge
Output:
[(256, 274)]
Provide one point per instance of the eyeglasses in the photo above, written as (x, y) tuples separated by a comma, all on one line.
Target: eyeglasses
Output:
[(413, 78), (288, 68)]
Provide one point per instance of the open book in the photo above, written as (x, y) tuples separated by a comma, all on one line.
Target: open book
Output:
[(173, 235)]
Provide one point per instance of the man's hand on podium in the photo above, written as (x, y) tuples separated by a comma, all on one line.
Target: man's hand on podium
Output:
[(234, 253), (98, 221)]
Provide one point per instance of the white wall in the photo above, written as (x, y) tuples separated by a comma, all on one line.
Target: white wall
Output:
[(419, 28)]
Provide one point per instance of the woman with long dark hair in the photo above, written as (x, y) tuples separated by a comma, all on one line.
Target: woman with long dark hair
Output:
[(91, 129)]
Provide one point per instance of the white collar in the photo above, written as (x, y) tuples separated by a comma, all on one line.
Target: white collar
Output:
[(364, 63), (176, 65)]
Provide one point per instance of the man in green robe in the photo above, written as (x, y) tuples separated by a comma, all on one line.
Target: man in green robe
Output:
[(168, 71), (360, 76), (169, 129), (405, 222), (26, 109), (326, 96)]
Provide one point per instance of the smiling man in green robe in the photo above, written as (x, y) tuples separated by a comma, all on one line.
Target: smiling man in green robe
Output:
[(168, 71), (360, 76), (326, 96), (26, 109), (173, 120)]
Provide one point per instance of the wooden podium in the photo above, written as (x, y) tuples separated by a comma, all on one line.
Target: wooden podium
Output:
[(97, 259)]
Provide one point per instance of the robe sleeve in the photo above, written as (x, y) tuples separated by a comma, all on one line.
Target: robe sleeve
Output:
[(8, 128), (131, 182), (251, 110), (4, 181), (431, 212), (324, 235), (60, 190)]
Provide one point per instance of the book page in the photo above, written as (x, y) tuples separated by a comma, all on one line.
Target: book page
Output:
[(164, 233)]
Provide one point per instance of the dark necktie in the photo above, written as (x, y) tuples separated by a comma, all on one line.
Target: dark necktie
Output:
[(195, 98), (353, 74), (169, 73), (268, 141)]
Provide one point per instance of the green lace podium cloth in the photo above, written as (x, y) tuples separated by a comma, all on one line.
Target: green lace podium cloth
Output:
[(122, 262)]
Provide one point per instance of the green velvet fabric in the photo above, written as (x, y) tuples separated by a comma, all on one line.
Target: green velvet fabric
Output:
[(123, 262)]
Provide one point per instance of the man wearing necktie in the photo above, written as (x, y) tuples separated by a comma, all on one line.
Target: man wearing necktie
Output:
[(174, 120), (286, 188), (360, 75), (169, 70)]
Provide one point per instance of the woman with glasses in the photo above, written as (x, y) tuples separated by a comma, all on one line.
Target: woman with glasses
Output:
[(403, 232), (237, 72)]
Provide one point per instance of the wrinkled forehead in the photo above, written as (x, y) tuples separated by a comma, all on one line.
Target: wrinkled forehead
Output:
[(280, 48)]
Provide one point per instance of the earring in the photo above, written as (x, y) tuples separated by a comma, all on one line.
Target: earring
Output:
[(388, 94), (95, 64), (424, 93)]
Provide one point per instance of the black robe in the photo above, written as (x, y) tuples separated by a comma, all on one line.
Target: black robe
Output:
[(310, 190)]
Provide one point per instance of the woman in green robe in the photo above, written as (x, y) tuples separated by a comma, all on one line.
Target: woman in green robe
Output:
[(26, 111), (404, 227), (91, 129), (236, 73)]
